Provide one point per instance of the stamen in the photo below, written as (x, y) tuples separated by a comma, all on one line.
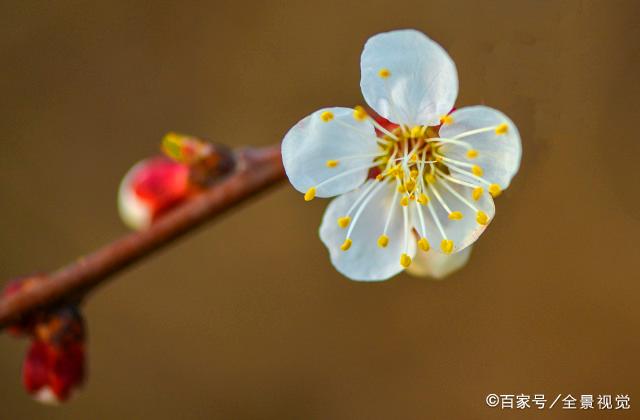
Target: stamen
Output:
[(326, 116), (447, 246), (384, 73), (446, 120), (310, 194), (344, 221), (477, 193), (422, 243), (455, 180), (383, 241), (476, 170), (444, 140), (456, 215), (502, 128), (482, 218), (345, 173), (405, 259), (495, 190), (463, 172), (476, 131), (346, 244), (332, 163), (359, 113), (404, 201), (472, 153), (458, 196)]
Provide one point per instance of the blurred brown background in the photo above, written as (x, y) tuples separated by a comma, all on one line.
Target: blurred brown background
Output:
[(247, 319)]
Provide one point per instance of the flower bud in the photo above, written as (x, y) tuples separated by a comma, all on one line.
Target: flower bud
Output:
[(150, 188), (54, 366)]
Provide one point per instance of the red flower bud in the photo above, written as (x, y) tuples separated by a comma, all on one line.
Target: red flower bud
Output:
[(55, 362), (150, 188)]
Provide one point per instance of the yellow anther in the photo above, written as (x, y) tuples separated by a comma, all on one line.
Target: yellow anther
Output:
[(332, 163), (424, 244), (476, 170), (405, 260), (414, 172), (404, 201), (472, 153), (346, 244), (455, 215), (310, 194), (359, 114), (446, 119), (414, 158), (502, 128), (326, 116), (383, 241), (384, 73), (482, 218), (477, 193), (344, 221), (379, 177), (410, 185), (447, 246), (495, 190), (430, 178), (416, 131), (401, 189), (423, 199)]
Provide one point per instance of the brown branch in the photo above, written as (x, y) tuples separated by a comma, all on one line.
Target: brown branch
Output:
[(256, 170)]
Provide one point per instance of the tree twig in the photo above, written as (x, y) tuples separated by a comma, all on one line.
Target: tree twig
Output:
[(256, 170)]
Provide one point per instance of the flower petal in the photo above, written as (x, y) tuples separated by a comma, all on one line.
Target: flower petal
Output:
[(329, 135), (437, 265), (408, 78), (462, 231), (365, 260), (498, 152)]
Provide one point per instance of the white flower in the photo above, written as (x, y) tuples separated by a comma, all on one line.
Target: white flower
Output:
[(426, 185)]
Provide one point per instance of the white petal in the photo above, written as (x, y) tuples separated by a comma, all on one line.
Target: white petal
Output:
[(365, 260), (312, 142), (423, 81), (498, 154), (462, 232), (437, 265)]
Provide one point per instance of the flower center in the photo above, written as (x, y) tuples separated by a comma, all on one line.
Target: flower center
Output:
[(406, 156)]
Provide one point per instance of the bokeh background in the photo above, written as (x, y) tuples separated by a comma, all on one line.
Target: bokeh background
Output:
[(246, 318)]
